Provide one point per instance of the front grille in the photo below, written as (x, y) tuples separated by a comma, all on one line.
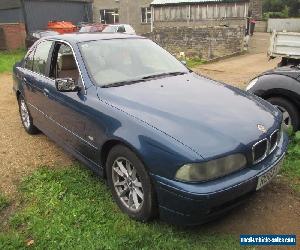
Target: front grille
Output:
[(260, 150), (274, 140), (263, 148)]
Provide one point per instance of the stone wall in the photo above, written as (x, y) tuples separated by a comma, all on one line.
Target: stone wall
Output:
[(205, 42), (261, 26), (201, 23), (256, 9)]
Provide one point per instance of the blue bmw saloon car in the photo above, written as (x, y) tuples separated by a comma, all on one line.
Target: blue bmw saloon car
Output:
[(169, 142)]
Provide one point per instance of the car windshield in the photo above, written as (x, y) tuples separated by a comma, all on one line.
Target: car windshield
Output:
[(125, 61)]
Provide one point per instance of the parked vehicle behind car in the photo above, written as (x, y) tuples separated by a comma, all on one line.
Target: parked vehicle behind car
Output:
[(32, 37), (286, 46), (121, 28), (92, 28), (169, 142), (281, 87)]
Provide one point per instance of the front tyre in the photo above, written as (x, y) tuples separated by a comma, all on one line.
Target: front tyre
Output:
[(130, 184), (26, 117)]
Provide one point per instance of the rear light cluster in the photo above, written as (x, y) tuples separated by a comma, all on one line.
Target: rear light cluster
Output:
[(264, 147)]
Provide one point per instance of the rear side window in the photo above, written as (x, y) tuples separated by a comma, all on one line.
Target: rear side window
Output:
[(41, 57), (29, 60)]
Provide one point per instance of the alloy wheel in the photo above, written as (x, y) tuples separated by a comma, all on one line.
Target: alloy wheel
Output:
[(127, 184), (24, 114)]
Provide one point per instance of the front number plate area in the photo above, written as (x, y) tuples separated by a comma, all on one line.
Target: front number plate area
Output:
[(268, 176)]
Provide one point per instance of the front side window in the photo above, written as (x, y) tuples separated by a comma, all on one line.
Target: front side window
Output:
[(146, 15), (119, 60), (41, 57), (64, 63)]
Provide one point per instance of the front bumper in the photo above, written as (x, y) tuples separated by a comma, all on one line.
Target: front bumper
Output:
[(192, 204)]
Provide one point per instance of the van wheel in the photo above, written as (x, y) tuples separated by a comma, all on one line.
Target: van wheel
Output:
[(291, 117), (26, 117), (130, 184)]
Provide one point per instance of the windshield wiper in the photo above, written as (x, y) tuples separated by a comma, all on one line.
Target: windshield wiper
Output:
[(122, 83), (142, 79), (165, 74)]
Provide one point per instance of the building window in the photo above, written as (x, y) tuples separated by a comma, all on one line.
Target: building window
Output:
[(109, 16), (146, 15)]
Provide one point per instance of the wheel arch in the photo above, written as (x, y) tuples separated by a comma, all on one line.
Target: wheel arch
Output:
[(282, 93), (109, 144), (18, 93), (276, 85)]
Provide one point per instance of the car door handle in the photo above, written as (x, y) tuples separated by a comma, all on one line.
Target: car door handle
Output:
[(25, 80), (46, 92)]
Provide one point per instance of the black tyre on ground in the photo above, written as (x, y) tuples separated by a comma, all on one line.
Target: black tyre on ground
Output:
[(26, 118), (130, 184), (291, 116)]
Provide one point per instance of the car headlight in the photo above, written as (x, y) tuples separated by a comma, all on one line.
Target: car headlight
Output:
[(252, 83), (211, 169)]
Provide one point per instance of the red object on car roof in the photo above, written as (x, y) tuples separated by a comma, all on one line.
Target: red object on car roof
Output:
[(62, 26)]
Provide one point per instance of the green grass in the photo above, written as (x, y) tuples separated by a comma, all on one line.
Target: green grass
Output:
[(291, 167), (194, 62), (3, 202), (71, 208), (9, 58)]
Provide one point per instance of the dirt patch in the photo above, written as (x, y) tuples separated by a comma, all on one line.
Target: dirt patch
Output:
[(274, 209), (238, 71), (21, 153)]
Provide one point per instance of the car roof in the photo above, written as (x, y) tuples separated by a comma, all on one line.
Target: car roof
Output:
[(85, 37)]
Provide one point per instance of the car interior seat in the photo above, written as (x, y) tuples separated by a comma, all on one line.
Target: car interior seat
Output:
[(68, 67)]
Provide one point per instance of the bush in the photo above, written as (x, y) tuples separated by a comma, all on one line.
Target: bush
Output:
[(268, 15)]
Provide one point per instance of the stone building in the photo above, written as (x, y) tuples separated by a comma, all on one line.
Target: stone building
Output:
[(256, 9), (174, 13), (137, 13)]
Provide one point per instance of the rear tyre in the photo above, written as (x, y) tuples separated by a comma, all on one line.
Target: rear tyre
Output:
[(130, 184), (26, 118), (291, 117)]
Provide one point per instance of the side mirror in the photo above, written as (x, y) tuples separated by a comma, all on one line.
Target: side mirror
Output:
[(66, 85), (183, 62)]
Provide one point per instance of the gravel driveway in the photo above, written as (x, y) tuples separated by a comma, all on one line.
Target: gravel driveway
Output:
[(238, 70), (21, 153)]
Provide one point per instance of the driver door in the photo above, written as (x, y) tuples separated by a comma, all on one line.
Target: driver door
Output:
[(67, 109)]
